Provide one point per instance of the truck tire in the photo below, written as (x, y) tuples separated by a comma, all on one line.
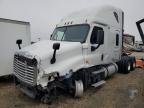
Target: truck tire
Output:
[(46, 99), (85, 77), (119, 66), (125, 65), (133, 63), (49, 96)]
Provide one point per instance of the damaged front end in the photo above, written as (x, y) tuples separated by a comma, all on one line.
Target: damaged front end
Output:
[(25, 74), (27, 78)]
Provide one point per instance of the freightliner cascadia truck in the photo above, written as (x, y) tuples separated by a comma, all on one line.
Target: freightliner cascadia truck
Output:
[(85, 48)]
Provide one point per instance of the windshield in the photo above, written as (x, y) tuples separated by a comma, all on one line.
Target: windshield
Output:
[(75, 33)]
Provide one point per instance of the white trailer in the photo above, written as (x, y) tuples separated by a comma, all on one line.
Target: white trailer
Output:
[(10, 31)]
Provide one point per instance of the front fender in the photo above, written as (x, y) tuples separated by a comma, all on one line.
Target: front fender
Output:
[(65, 66)]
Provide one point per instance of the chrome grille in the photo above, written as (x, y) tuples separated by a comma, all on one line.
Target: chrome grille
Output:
[(25, 69)]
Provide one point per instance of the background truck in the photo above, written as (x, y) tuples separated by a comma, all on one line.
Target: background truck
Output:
[(85, 48), (140, 62), (140, 45), (10, 31), (128, 43)]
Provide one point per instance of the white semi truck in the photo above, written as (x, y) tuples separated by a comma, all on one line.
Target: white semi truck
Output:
[(84, 49), (10, 31)]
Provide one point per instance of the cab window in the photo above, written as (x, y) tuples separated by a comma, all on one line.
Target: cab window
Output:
[(93, 39)]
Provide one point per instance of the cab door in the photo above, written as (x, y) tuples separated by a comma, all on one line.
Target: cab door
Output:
[(96, 51)]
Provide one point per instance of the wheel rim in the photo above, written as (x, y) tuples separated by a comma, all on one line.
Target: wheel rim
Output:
[(134, 64), (129, 67), (79, 88)]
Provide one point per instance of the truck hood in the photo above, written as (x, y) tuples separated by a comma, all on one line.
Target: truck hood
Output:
[(68, 57), (44, 49)]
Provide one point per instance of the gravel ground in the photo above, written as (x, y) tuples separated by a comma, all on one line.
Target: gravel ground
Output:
[(116, 93)]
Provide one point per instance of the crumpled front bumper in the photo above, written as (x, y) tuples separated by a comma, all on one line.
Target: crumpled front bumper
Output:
[(29, 90)]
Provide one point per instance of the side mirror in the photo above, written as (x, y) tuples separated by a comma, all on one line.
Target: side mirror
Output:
[(56, 46), (19, 42), (50, 36), (100, 37)]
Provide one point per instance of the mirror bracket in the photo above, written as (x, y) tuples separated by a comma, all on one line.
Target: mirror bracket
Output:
[(93, 48), (19, 42)]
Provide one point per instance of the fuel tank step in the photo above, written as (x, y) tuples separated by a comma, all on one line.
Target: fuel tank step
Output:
[(99, 71), (98, 83)]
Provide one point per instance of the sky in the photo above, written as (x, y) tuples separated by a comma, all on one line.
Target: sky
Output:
[(43, 15)]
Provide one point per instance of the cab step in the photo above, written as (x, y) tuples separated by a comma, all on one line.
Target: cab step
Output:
[(98, 71), (98, 83)]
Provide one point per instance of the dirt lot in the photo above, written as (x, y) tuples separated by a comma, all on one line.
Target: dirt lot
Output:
[(116, 93)]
